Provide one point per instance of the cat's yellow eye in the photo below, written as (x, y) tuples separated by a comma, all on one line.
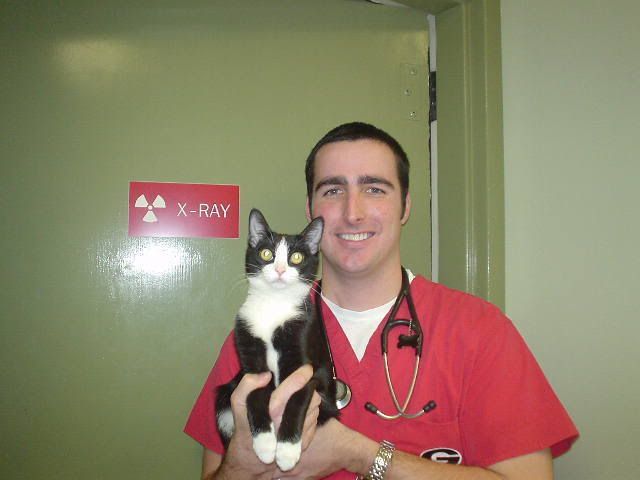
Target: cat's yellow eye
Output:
[(266, 254), (296, 258)]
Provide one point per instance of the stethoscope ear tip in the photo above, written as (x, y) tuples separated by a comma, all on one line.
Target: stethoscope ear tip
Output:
[(429, 406), (370, 407)]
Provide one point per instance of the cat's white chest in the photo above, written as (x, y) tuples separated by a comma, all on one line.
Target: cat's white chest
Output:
[(263, 314)]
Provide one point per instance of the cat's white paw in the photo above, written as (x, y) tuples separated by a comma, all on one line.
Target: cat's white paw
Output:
[(264, 444), (225, 422), (287, 455)]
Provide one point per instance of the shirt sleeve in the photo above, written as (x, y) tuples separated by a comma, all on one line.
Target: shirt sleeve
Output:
[(201, 425), (508, 408)]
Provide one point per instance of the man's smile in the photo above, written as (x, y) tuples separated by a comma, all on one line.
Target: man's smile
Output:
[(355, 237)]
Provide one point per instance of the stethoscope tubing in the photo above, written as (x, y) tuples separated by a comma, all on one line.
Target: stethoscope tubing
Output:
[(414, 340)]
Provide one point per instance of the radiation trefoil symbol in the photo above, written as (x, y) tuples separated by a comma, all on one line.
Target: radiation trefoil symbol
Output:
[(150, 217)]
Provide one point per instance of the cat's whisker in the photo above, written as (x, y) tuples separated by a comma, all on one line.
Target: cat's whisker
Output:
[(315, 289), (237, 283)]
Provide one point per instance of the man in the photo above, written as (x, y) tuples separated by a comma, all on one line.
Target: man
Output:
[(496, 415)]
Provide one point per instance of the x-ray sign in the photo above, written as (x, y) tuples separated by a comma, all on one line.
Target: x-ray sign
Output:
[(158, 209)]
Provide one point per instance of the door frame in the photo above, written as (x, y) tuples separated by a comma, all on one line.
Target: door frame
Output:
[(471, 251)]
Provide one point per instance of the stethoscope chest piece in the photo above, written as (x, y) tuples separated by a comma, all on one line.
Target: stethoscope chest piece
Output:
[(343, 394)]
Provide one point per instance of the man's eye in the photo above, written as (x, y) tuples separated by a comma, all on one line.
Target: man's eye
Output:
[(331, 192), (375, 190)]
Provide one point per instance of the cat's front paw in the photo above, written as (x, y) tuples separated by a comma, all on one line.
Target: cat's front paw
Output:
[(264, 444), (287, 455)]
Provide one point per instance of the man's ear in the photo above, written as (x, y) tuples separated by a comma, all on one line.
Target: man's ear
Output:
[(407, 209), (307, 210)]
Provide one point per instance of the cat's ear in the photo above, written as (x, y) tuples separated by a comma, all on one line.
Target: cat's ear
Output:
[(258, 227), (313, 234)]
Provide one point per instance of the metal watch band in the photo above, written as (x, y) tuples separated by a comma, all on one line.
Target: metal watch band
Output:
[(381, 462)]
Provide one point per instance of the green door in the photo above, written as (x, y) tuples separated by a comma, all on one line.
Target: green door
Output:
[(106, 339)]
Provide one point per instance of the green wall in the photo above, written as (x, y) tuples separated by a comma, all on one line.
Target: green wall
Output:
[(571, 103), (105, 340)]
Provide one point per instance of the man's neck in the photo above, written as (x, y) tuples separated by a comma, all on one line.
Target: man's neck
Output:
[(362, 292)]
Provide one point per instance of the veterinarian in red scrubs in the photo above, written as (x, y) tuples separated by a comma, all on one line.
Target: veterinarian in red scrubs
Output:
[(496, 415)]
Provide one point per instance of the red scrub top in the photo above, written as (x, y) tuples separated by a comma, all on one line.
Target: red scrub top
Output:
[(493, 400)]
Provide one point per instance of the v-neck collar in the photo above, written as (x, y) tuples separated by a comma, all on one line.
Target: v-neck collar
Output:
[(348, 367)]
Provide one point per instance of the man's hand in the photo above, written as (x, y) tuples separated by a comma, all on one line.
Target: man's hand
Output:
[(240, 460), (329, 451), (281, 395)]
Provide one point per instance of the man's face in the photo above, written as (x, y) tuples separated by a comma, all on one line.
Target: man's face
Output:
[(357, 192)]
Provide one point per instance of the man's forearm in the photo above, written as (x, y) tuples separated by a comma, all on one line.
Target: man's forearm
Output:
[(229, 472), (232, 467), (405, 466)]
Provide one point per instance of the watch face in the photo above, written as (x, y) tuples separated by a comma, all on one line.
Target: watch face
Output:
[(381, 462)]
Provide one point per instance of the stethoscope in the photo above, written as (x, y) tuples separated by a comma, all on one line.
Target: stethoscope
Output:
[(414, 339)]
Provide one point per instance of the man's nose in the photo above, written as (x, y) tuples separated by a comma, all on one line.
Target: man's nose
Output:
[(354, 208)]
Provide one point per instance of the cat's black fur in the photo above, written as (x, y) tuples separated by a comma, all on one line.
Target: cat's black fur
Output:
[(264, 325)]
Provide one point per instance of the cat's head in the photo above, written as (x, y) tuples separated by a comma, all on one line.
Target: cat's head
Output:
[(279, 260)]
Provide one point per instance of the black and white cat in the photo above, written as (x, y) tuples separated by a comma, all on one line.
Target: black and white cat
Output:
[(277, 330)]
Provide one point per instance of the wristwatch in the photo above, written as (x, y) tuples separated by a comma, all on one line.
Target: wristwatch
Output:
[(382, 461)]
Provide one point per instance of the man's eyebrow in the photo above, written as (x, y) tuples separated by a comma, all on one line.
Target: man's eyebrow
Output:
[(369, 179), (362, 180), (337, 180)]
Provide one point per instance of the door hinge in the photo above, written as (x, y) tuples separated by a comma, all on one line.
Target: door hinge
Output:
[(433, 101)]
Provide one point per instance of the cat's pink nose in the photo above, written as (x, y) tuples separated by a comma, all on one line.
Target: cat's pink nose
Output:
[(280, 269)]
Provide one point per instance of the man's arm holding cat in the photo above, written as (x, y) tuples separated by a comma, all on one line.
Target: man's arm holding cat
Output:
[(240, 461), (334, 447)]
